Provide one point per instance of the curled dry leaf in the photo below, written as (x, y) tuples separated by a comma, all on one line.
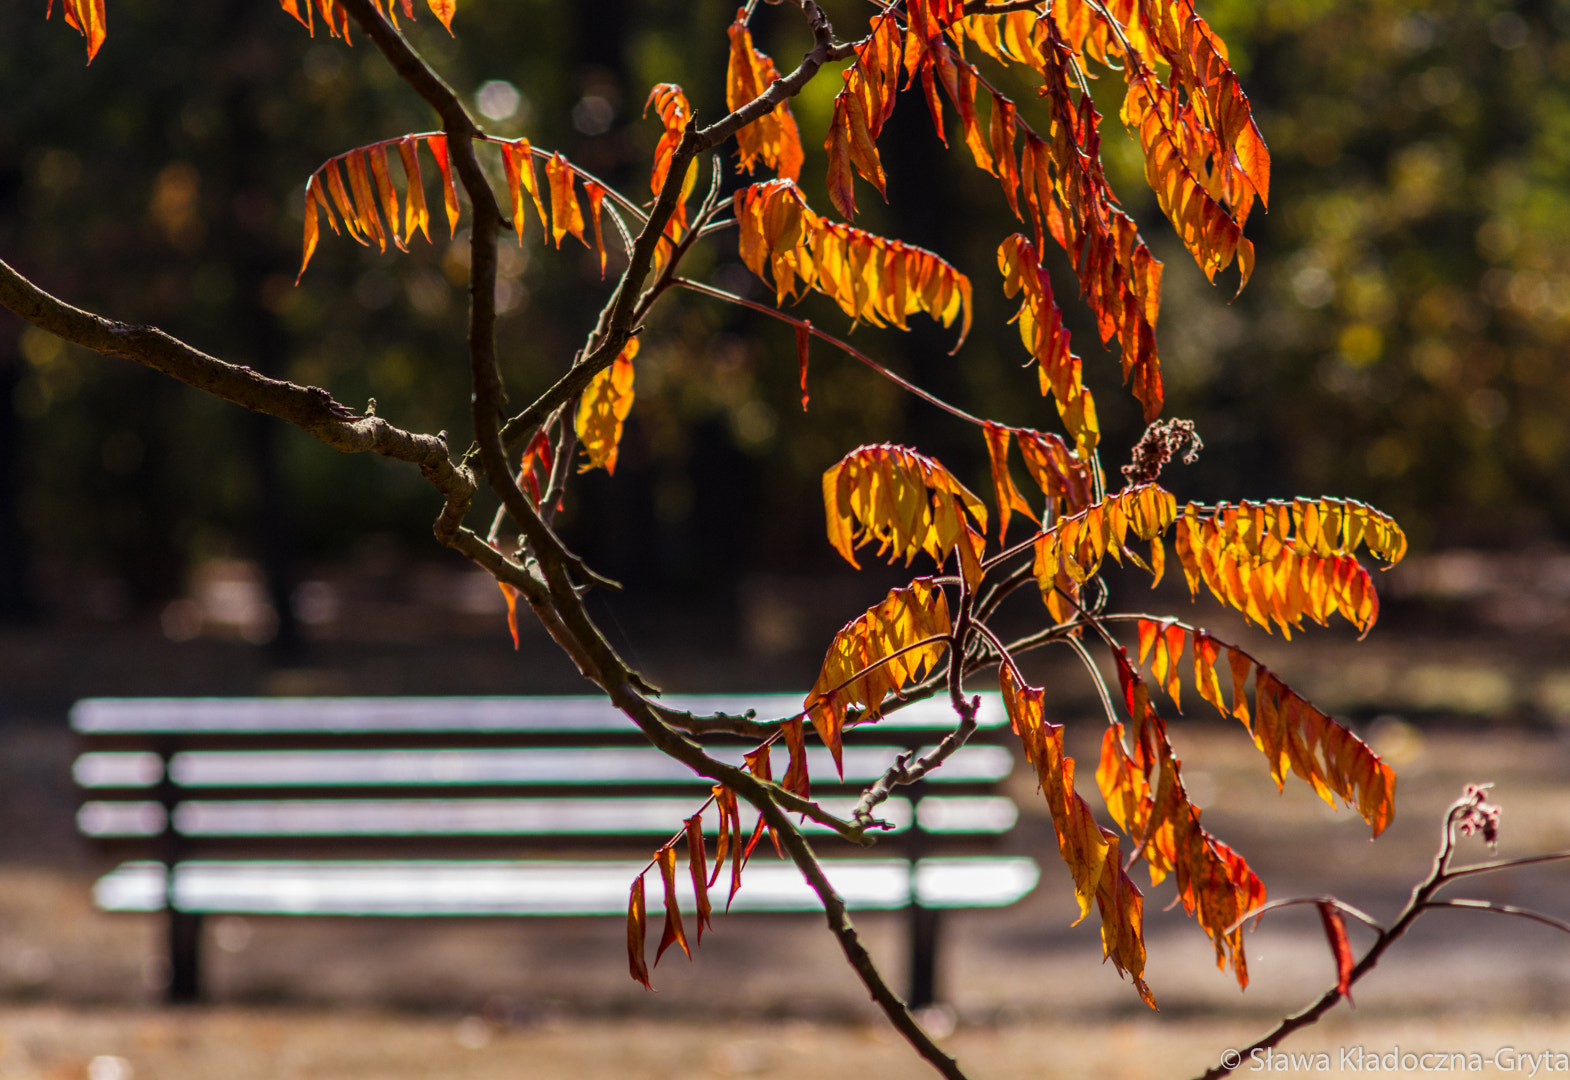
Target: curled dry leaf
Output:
[(637, 932), (673, 934), (700, 874), (1340, 946)]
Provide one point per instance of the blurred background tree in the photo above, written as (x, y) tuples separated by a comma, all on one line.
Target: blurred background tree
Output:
[(1400, 343)]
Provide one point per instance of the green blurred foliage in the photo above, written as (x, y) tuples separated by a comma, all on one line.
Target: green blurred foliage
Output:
[(1400, 342), (1404, 338)]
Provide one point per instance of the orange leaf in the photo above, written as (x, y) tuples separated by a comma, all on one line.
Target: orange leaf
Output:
[(773, 137), (729, 842), (757, 762), (87, 18), (566, 213), (364, 203), (1241, 665), (415, 215), (637, 930), (699, 872), (377, 156), (906, 502), (1340, 947), (596, 196), (803, 340), (674, 112), (351, 221), (438, 147), (795, 780), (313, 199), (1008, 496), (511, 595), (876, 655), (673, 932), (837, 146), (1205, 653), (442, 9), (602, 409)]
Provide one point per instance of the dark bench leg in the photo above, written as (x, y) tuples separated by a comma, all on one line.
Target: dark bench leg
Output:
[(185, 946), (923, 956)]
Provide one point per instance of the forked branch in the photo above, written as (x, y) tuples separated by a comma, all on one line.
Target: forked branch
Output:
[(1472, 813)]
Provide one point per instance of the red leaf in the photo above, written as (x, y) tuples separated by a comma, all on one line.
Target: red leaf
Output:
[(673, 932), (637, 930), (596, 197), (803, 339), (438, 145), (699, 872), (1340, 947)]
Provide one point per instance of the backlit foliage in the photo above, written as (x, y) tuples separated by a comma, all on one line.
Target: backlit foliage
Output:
[(1275, 561)]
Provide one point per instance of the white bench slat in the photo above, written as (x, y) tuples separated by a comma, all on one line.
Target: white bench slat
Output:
[(611, 765), (585, 714), (413, 887), (973, 815)]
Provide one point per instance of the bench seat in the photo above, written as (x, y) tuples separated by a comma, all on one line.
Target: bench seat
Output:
[(542, 887)]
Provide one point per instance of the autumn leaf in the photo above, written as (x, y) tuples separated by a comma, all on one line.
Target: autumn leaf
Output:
[(1041, 329), (1340, 947), (415, 214), (1144, 790), (907, 503), (1291, 732), (535, 466), (602, 409), (699, 873), (596, 195), (87, 18), (510, 593), (1090, 851), (637, 931), (370, 193), (881, 651), (1177, 173), (1279, 561), (803, 341), (566, 212), (670, 103), (728, 841), (442, 154), (773, 137), (1008, 496), (871, 278), (1065, 477), (1076, 545), (673, 933), (518, 164)]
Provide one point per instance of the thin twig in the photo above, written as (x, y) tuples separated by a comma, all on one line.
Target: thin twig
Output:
[(849, 350)]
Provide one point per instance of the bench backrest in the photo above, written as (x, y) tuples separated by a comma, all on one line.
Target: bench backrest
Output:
[(201, 777)]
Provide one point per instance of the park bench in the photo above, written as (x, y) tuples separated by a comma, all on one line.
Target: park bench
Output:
[(492, 806)]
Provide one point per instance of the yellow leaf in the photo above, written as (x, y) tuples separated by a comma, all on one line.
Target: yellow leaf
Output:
[(603, 408), (875, 655)]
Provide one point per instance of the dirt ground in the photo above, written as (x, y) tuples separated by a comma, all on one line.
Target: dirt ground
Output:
[(1025, 992), (770, 997)]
